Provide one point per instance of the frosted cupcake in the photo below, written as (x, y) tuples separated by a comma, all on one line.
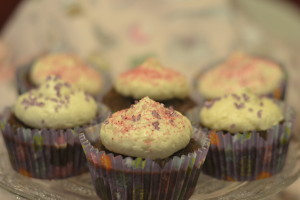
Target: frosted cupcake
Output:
[(41, 130), (263, 77), (249, 136), (153, 80), (145, 152), (68, 67)]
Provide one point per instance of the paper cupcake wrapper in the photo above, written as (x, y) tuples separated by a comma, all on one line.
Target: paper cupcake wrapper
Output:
[(116, 177), (24, 83), (250, 155), (278, 93), (46, 153)]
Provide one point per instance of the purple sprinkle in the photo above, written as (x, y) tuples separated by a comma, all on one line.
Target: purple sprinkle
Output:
[(67, 85), (239, 106), (217, 99), (261, 104), (208, 104), (259, 113), (48, 79), (246, 97), (105, 122), (237, 97), (156, 125), (155, 114), (57, 88), (225, 96), (136, 118), (171, 121), (250, 109)]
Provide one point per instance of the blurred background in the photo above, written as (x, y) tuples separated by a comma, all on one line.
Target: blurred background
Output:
[(117, 34)]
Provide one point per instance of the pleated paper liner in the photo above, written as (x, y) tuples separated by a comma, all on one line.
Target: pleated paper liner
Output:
[(250, 155), (117, 177), (46, 153)]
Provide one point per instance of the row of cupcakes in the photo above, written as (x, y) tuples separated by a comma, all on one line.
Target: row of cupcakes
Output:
[(136, 153), (227, 158), (262, 76)]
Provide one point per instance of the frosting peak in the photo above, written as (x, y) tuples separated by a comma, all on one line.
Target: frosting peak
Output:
[(70, 68), (147, 130), (55, 104), (241, 71), (153, 80), (240, 112)]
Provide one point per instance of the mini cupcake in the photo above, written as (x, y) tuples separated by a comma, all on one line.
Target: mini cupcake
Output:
[(153, 80), (69, 67), (249, 136), (263, 77), (145, 152), (41, 130)]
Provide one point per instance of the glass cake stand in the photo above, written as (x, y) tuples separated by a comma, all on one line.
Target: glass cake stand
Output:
[(208, 188)]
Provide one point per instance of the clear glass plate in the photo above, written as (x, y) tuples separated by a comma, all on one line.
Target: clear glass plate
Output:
[(80, 187)]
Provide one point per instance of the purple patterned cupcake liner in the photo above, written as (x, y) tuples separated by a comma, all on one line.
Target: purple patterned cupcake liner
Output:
[(46, 153), (278, 93), (250, 155), (117, 177)]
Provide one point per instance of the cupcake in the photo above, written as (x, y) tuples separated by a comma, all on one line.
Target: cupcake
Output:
[(69, 67), (249, 136), (153, 80), (41, 130), (262, 76), (145, 152)]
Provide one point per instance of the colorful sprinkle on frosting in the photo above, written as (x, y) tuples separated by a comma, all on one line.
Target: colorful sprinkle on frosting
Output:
[(55, 104), (70, 68), (241, 71), (240, 112), (153, 80), (147, 130)]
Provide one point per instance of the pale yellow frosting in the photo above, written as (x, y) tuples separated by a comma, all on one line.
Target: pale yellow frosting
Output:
[(55, 104), (70, 68), (241, 71), (153, 80), (240, 112), (147, 130)]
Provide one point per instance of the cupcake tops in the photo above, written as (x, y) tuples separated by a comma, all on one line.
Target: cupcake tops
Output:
[(70, 68), (153, 80), (241, 71), (240, 112), (147, 130), (55, 104)]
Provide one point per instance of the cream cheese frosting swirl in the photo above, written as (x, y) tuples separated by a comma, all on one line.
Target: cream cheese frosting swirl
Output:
[(238, 72), (240, 112), (147, 130), (153, 80), (55, 104), (70, 68)]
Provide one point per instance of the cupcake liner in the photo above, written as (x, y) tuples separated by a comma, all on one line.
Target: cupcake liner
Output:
[(117, 177), (46, 153), (250, 155), (278, 93)]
